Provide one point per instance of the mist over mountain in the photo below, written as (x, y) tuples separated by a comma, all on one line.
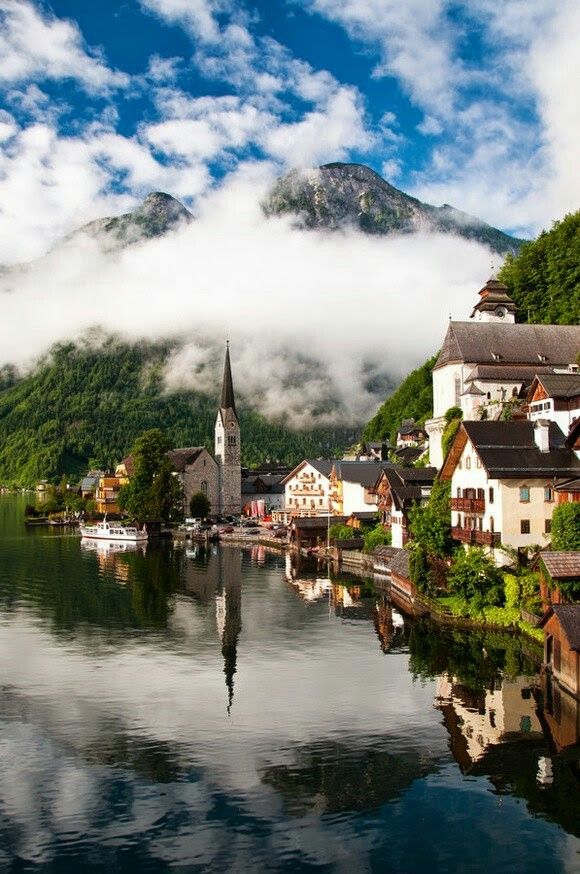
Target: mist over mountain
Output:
[(331, 197)]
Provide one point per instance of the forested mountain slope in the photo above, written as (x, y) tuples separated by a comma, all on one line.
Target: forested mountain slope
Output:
[(84, 407)]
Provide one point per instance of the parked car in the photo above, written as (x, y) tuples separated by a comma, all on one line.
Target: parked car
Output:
[(229, 529)]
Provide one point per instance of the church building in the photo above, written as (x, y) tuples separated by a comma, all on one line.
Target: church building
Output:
[(489, 359)]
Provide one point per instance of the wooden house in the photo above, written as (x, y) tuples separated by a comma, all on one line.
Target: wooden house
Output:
[(561, 624), (559, 577)]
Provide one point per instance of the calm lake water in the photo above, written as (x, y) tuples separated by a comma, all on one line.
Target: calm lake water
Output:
[(225, 711)]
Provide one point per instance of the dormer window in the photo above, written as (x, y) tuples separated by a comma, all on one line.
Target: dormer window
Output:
[(542, 357), (496, 356)]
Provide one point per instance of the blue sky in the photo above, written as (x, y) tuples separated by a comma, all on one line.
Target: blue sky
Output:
[(468, 103)]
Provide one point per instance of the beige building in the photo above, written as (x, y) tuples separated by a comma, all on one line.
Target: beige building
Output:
[(502, 482), (306, 490)]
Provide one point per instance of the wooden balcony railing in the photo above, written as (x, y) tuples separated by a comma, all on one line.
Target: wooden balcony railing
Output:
[(468, 505), (472, 536)]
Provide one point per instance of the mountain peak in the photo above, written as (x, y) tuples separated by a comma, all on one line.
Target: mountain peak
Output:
[(340, 195)]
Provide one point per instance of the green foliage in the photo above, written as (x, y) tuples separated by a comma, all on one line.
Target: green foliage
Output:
[(338, 531), (544, 277), (153, 492), (566, 527), (430, 525), (475, 577), (377, 536), (412, 399), (453, 413), (85, 405), (199, 506), (419, 567)]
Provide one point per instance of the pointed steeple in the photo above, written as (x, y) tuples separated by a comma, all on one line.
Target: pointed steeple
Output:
[(228, 401)]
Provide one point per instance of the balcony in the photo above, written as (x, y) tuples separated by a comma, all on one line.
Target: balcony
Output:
[(474, 537), (468, 505)]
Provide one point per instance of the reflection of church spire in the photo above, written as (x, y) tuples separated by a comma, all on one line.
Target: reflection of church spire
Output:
[(230, 626)]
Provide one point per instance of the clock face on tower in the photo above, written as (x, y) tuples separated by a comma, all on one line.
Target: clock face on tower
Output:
[(500, 312)]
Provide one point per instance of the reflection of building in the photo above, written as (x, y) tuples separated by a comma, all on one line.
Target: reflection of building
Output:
[(477, 720), (561, 713), (389, 624), (229, 614)]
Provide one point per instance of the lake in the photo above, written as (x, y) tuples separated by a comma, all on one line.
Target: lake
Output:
[(228, 711)]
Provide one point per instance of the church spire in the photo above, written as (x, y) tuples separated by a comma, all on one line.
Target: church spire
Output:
[(228, 401)]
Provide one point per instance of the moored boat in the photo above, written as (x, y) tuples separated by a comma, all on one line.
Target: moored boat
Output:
[(113, 531)]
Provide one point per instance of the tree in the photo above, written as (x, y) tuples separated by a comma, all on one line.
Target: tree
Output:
[(430, 525), (153, 492), (377, 536), (199, 505), (566, 527), (474, 576)]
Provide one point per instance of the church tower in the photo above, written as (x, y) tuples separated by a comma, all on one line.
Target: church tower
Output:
[(227, 447), (495, 304)]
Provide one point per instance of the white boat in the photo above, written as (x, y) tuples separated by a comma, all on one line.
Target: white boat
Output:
[(113, 531)]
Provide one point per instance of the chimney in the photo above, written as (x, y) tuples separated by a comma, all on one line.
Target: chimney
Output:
[(542, 434)]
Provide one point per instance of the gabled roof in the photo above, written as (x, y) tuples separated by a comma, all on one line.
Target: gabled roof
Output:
[(364, 473), (562, 565), (181, 458), (568, 615), (508, 449), (558, 385), (511, 373), (321, 465), (489, 342), (399, 563), (406, 483)]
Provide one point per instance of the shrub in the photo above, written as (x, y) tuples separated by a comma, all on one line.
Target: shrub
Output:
[(338, 531), (566, 527), (474, 576), (377, 536)]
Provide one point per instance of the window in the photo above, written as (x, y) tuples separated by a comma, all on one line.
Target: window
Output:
[(489, 395), (458, 491), (457, 391), (548, 526), (480, 495), (524, 495), (303, 502), (525, 526), (231, 439), (491, 495), (219, 440), (548, 494), (468, 463), (478, 461), (491, 524), (204, 488)]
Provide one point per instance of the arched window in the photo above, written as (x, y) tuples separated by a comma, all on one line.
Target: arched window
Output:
[(204, 488)]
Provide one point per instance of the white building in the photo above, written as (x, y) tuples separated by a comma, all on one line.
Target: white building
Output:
[(306, 490), (398, 489), (352, 486), (502, 482), (487, 361)]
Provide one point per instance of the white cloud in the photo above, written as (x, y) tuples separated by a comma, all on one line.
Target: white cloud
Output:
[(430, 126), (198, 16), (40, 46), (234, 271)]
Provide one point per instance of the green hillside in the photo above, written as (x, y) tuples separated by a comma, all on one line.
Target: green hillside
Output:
[(84, 407), (544, 281)]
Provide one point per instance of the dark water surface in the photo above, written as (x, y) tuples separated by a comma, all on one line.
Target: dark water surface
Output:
[(225, 712)]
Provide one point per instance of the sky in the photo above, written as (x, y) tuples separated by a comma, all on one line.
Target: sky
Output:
[(468, 103)]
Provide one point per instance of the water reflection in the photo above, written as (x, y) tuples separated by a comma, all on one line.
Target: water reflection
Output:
[(170, 707)]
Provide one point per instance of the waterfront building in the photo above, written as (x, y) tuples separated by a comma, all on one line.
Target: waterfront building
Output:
[(559, 575), (398, 489), (352, 486), (107, 493), (488, 361), (561, 624), (306, 490), (262, 493), (502, 482)]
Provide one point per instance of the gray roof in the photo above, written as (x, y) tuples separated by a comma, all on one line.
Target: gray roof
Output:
[(512, 373), (406, 482), (90, 481), (399, 564), (561, 385), (228, 401), (489, 342), (365, 473), (568, 616), (508, 449), (562, 565), (181, 458)]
